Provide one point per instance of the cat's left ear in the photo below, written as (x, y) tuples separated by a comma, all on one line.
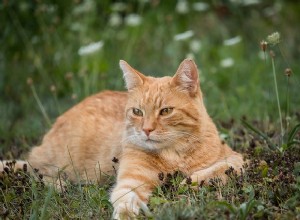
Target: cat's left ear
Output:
[(186, 77), (132, 77)]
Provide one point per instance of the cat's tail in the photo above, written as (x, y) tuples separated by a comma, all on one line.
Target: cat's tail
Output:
[(13, 165)]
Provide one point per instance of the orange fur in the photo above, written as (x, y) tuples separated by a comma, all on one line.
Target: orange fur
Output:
[(159, 125)]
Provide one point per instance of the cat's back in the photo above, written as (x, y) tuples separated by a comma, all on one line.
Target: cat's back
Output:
[(98, 113), (89, 132), (108, 101), (100, 106)]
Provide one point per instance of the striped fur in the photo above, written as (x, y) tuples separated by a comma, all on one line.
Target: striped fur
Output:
[(131, 128)]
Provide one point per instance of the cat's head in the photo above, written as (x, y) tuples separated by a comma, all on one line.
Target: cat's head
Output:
[(163, 112)]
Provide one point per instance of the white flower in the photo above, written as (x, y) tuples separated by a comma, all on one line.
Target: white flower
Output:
[(182, 7), (228, 62), (115, 20), (90, 48), (133, 20), (251, 2), (86, 7), (232, 41), (195, 46), (184, 35), (274, 38), (118, 6), (245, 2), (200, 6)]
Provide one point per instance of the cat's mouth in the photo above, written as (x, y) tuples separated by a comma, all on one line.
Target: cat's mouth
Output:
[(149, 140)]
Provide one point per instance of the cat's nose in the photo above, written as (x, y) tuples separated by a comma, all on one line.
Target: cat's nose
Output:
[(147, 131)]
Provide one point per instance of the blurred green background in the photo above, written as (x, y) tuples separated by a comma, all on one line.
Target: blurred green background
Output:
[(58, 52)]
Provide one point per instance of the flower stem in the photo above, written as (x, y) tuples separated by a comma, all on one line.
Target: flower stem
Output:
[(44, 113), (277, 97), (287, 103)]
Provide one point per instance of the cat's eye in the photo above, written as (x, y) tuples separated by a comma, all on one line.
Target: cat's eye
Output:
[(166, 111), (137, 112)]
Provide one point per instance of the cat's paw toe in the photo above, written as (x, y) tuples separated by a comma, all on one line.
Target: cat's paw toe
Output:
[(125, 211), (128, 207)]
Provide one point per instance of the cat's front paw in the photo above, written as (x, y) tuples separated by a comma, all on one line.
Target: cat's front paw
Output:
[(128, 205)]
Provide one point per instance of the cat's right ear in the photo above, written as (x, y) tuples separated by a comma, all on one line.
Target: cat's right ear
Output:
[(132, 77)]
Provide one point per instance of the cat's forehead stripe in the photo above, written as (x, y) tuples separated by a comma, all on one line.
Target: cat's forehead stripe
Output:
[(154, 96)]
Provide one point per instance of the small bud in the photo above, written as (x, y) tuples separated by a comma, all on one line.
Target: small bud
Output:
[(74, 96), (6, 169), (288, 72), (201, 183), (161, 176), (188, 181), (263, 45), (69, 76), (25, 167), (29, 81), (53, 88), (272, 54), (115, 160)]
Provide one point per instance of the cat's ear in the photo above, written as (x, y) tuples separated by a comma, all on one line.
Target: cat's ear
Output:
[(132, 77), (186, 77)]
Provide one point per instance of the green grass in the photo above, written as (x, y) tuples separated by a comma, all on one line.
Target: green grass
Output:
[(40, 41), (268, 189)]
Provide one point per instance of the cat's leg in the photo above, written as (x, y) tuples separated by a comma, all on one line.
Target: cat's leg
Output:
[(217, 170), (137, 177), (15, 164)]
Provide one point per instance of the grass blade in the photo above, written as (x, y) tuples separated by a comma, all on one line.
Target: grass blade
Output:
[(292, 143), (260, 133), (293, 132)]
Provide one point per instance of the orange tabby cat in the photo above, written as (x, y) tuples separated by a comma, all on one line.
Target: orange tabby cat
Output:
[(159, 125)]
